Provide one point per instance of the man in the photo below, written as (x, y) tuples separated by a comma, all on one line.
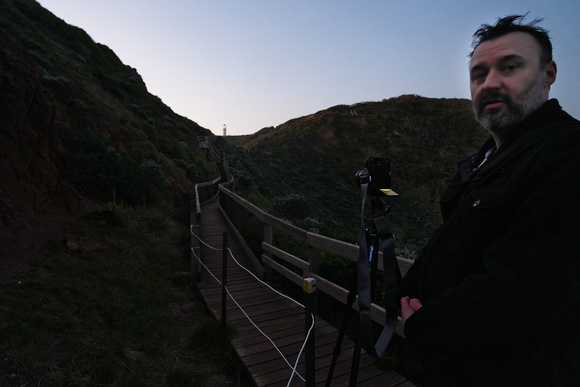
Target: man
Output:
[(494, 297)]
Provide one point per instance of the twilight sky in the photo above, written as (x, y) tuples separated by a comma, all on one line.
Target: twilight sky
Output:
[(251, 64)]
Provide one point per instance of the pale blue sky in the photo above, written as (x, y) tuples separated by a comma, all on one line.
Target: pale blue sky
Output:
[(253, 64)]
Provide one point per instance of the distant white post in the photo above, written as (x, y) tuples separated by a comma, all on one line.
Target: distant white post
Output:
[(224, 130)]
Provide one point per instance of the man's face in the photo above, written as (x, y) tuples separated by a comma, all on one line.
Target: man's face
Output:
[(507, 81)]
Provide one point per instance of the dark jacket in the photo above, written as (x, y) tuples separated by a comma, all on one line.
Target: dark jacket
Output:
[(500, 278)]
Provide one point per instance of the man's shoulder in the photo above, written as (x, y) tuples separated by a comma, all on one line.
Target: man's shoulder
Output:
[(557, 124), (564, 130), (558, 117)]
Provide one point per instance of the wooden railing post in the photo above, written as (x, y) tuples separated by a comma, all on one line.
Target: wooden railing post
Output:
[(195, 266), (313, 254), (309, 286), (268, 238), (224, 277)]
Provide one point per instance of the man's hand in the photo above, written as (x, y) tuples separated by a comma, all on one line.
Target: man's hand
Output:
[(408, 307)]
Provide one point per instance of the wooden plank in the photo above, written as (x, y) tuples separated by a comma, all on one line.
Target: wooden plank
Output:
[(340, 248)]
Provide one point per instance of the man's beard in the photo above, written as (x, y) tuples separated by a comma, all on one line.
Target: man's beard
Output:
[(528, 102)]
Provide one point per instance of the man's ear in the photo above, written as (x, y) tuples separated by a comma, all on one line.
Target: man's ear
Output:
[(551, 71)]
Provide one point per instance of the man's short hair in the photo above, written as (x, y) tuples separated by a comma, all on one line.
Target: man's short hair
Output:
[(513, 23)]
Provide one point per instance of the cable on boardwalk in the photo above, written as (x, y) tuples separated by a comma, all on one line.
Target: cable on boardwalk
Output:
[(246, 315)]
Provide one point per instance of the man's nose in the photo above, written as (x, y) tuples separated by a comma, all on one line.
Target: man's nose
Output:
[(492, 80)]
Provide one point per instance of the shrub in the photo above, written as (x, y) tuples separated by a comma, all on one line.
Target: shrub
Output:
[(78, 104), (96, 169), (58, 82), (112, 214), (166, 122), (153, 174), (292, 206)]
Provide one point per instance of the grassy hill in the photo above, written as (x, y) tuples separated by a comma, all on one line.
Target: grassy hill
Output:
[(303, 170), (90, 91)]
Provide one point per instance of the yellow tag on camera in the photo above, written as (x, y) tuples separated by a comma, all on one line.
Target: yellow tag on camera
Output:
[(389, 192)]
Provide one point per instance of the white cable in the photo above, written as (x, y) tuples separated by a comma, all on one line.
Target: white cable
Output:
[(264, 283), (249, 272), (248, 317), (245, 314), (301, 349)]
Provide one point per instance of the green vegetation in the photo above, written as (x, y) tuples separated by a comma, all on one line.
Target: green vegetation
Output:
[(103, 310), (101, 101), (91, 165), (303, 170)]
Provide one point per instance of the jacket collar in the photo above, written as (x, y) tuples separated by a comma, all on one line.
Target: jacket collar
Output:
[(549, 112)]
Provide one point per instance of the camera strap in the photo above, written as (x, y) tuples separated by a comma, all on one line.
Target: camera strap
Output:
[(391, 277)]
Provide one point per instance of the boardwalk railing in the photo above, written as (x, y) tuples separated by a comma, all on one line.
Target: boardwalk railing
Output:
[(261, 226)]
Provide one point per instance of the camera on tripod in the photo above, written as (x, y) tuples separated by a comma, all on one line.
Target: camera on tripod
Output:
[(374, 180), (377, 173)]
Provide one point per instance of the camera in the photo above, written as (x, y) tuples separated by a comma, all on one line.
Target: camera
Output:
[(377, 173)]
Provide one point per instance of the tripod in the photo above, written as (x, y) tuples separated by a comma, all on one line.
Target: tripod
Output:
[(377, 236)]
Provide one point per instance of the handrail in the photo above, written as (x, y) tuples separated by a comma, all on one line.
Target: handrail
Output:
[(235, 207)]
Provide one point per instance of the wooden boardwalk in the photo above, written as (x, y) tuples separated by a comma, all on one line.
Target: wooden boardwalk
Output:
[(281, 319)]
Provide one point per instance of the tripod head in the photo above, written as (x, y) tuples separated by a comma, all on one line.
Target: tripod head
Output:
[(377, 174)]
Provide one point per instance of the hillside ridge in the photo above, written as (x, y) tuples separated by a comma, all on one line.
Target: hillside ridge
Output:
[(57, 85), (309, 163)]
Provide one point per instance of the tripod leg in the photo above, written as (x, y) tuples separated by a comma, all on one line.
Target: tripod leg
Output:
[(355, 360), (374, 261)]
